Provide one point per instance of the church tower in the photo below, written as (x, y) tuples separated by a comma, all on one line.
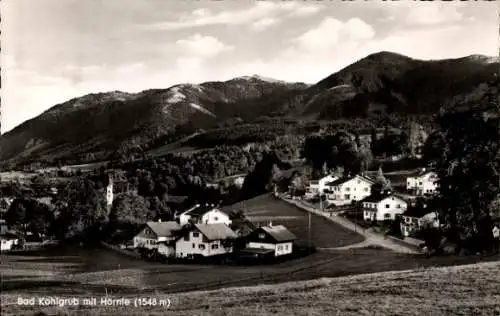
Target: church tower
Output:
[(109, 193)]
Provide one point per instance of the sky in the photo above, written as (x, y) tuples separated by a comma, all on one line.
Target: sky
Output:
[(55, 50)]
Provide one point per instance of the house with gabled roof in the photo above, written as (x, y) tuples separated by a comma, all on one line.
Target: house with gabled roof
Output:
[(206, 240), (206, 214), (270, 240), (317, 187), (158, 235), (418, 217), (425, 182), (348, 189), (383, 206)]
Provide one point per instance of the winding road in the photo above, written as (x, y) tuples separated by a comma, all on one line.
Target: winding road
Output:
[(371, 238)]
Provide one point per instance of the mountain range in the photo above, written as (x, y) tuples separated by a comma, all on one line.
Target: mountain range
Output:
[(381, 83)]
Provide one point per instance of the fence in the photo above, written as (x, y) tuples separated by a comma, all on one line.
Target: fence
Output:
[(121, 251)]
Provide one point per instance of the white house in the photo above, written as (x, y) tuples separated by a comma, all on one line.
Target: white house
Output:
[(205, 240), (425, 182), (317, 187), (417, 218), (345, 190), (277, 239), (383, 207), (206, 214), (158, 235), (8, 241)]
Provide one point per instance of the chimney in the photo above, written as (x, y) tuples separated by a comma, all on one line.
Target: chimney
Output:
[(270, 224), (159, 220)]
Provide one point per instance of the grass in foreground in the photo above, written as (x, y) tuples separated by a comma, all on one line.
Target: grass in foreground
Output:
[(458, 290)]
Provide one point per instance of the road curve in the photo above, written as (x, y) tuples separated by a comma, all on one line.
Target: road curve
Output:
[(371, 238)]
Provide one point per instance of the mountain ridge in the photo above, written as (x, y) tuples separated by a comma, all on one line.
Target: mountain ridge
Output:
[(99, 124)]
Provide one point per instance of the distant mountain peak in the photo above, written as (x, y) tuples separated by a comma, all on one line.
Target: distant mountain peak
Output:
[(483, 58), (383, 55), (259, 78)]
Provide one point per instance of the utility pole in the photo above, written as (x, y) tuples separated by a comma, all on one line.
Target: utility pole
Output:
[(309, 233)]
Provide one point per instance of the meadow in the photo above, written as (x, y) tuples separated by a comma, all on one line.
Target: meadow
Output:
[(324, 233), (81, 272), (458, 290)]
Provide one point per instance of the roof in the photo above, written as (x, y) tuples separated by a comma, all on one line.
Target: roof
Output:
[(378, 197), (345, 179), (279, 233), (164, 229), (420, 173), (199, 210), (417, 211), (176, 199), (45, 200), (260, 251), (217, 231)]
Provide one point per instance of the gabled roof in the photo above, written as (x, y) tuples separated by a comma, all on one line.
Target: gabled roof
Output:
[(420, 173), (417, 211), (279, 233), (378, 197), (199, 210), (164, 229), (345, 179), (217, 231)]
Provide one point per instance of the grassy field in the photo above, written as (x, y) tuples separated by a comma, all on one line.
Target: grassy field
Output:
[(458, 290), (324, 233), (94, 272)]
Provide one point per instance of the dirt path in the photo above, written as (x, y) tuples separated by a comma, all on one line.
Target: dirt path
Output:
[(372, 239)]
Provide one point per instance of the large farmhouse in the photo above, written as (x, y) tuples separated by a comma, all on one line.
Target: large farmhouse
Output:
[(158, 235), (270, 240), (206, 214), (383, 207), (346, 190), (205, 240), (424, 183)]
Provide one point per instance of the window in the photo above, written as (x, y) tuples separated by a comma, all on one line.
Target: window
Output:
[(420, 183), (387, 206), (201, 247), (347, 189), (216, 218), (286, 247), (366, 189), (387, 215), (398, 206), (194, 246), (280, 247), (359, 182), (186, 238), (215, 246), (347, 196), (196, 234)]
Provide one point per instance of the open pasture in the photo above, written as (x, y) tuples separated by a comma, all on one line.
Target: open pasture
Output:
[(324, 233)]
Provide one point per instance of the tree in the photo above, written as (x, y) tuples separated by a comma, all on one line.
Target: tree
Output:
[(374, 142), (381, 182), (82, 210), (30, 215), (468, 168), (17, 215), (131, 209)]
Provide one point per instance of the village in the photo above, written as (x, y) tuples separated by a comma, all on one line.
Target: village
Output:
[(210, 232)]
